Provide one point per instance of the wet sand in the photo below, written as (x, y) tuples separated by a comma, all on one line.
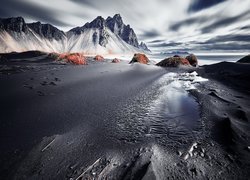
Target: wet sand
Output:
[(121, 121)]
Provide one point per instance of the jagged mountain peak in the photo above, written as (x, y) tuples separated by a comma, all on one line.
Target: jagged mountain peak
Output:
[(144, 46), (101, 35), (46, 30), (98, 22), (16, 24)]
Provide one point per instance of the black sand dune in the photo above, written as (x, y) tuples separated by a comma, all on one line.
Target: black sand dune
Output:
[(121, 121)]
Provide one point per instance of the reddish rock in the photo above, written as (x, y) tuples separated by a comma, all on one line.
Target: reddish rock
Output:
[(73, 58), (140, 58), (98, 58), (115, 60), (173, 62), (192, 60)]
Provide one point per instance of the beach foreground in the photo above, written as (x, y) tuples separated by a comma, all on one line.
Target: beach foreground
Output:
[(123, 121)]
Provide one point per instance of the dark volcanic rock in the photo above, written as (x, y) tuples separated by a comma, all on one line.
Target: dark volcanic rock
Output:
[(173, 62), (192, 60), (115, 60), (43, 30), (16, 24), (245, 59), (125, 32), (99, 24), (98, 58), (73, 58), (140, 58), (46, 30)]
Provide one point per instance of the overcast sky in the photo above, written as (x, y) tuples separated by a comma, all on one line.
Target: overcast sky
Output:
[(165, 25)]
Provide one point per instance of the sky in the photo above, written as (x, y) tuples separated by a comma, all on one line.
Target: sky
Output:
[(165, 25)]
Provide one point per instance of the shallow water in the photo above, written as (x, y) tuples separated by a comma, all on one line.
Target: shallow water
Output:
[(170, 115)]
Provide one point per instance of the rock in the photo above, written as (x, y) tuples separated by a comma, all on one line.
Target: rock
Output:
[(125, 32), (245, 59), (173, 62), (140, 58), (192, 60), (98, 58), (73, 58), (115, 60), (176, 56)]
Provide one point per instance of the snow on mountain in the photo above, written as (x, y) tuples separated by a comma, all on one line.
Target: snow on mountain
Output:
[(110, 36)]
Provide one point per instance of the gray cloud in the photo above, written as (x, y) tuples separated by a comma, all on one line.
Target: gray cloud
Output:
[(198, 5), (188, 22), (23, 8), (169, 44), (150, 34), (224, 22), (228, 38), (156, 41)]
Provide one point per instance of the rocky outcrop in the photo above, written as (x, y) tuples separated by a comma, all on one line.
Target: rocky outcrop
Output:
[(125, 32), (115, 60), (47, 31), (173, 62), (116, 25), (16, 24), (73, 58), (192, 60), (20, 36), (245, 59), (98, 58), (140, 58)]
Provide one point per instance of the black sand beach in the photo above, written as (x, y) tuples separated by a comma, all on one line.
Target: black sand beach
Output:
[(123, 121)]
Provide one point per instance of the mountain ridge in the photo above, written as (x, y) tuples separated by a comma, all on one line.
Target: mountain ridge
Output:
[(101, 35)]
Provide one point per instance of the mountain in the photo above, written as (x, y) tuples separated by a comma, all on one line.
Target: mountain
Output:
[(101, 36), (144, 47)]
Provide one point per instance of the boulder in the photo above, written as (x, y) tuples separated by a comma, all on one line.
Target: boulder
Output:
[(245, 59), (173, 62), (98, 58), (192, 60), (115, 60), (140, 58), (73, 58)]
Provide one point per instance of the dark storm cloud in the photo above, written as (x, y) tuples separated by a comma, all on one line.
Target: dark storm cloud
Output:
[(224, 22), (198, 5), (169, 44), (150, 34), (229, 38), (157, 41), (197, 20), (225, 46), (12, 8), (226, 42), (85, 2)]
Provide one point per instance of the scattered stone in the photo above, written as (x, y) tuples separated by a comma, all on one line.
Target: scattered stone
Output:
[(40, 93), (173, 62), (98, 58), (192, 59), (140, 58), (115, 60), (73, 58), (52, 83)]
